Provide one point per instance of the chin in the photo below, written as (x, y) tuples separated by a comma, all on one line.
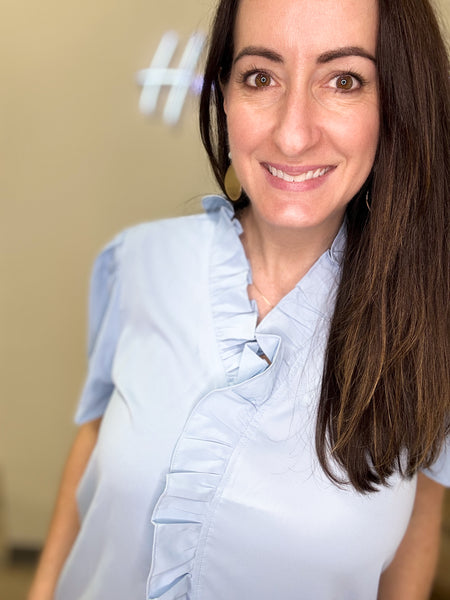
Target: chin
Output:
[(295, 216)]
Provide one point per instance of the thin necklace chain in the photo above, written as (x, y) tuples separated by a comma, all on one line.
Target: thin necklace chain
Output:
[(262, 295), (269, 304)]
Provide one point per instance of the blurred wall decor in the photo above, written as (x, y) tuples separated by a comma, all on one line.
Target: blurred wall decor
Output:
[(181, 79)]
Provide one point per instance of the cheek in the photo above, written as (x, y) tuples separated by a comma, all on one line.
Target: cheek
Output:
[(358, 133), (369, 141), (245, 129), (369, 128), (250, 123)]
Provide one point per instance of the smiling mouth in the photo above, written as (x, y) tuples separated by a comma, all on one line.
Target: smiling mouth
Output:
[(313, 174)]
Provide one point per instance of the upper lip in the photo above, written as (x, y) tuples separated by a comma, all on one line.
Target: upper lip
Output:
[(296, 170)]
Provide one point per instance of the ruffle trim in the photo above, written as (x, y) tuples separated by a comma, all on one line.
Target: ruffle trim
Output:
[(313, 298), (200, 459), (234, 315), (221, 419), (303, 317)]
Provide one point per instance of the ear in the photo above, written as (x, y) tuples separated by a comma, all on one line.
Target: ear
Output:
[(223, 89), (225, 103)]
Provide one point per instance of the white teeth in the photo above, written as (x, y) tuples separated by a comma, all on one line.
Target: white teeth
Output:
[(298, 178)]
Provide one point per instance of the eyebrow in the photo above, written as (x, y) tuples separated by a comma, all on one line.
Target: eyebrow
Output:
[(343, 52), (259, 51), (323, 58)]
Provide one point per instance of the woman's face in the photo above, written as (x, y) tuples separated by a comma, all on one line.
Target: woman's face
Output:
[(302, 107)]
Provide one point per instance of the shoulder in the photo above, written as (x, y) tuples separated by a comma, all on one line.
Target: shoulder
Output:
[(181, 239), (179, 247), (168, 233)]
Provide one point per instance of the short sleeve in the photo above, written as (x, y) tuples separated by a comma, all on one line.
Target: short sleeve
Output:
[(103, 333), (440, 471)]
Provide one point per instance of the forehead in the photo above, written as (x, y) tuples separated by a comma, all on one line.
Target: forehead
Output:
[(307, 27)]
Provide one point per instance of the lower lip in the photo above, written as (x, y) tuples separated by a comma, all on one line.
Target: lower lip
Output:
[(297, 186)]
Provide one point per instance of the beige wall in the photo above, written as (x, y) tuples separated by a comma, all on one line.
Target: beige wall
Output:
[(78, 163), (443, 7), (443, 10)]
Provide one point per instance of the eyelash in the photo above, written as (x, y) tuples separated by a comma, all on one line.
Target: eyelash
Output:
[(245, 75), (357, 76)]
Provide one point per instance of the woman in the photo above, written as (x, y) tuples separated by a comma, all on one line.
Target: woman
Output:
[(266, 381)]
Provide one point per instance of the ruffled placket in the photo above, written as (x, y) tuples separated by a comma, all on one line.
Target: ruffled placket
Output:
[(212, 434), (218, 424), (219, 421)]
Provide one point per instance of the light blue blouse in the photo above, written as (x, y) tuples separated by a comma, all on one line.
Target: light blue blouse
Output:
[(204, 483)]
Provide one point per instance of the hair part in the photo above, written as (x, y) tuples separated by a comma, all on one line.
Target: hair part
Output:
[(385, 398)]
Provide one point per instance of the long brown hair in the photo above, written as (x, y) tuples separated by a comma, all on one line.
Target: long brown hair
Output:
[(385, 398)]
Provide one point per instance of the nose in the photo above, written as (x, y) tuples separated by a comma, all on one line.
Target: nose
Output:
[(297, 127)]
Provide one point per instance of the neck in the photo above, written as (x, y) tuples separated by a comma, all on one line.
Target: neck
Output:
[(282, 256)]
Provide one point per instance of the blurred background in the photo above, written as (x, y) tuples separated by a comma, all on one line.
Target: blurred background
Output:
[(79, 162)]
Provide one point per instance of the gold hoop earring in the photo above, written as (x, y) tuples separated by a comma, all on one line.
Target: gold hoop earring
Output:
[(232, 184)]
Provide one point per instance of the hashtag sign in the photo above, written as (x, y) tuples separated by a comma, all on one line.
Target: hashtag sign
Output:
[(180, 80)]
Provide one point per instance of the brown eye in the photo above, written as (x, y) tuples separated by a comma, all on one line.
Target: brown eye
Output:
[(262, 80), (345, 82)]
